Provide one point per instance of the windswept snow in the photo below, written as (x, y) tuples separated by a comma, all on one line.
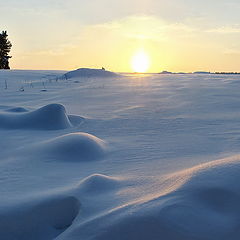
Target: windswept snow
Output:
[(124, 158), (201, 203)]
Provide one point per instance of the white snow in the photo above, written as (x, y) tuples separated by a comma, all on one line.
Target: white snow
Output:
[(119, 157)]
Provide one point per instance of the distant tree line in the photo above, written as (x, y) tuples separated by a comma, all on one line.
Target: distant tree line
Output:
[(227, 73), (5, 48)]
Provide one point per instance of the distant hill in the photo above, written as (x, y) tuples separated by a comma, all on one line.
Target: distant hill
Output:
[(90, 73), (201, 72), (165, 72)]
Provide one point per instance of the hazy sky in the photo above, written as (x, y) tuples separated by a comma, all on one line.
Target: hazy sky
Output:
[(178, 35)]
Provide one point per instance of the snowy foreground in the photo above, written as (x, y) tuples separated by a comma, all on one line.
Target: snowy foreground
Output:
[(143, 157)]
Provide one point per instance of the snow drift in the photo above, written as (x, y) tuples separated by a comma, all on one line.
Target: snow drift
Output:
[(90, 73), (54, 186), (39, 219), (73, 147), (96, 183), (49, 117), (17, 110), (199, 203)]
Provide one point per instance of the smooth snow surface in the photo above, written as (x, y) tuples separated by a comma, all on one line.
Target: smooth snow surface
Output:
[(142, 157)]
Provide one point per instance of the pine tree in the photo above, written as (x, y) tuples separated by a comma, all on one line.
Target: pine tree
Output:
[(5, 47)]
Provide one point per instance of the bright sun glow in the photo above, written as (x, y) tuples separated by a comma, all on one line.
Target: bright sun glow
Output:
[(140, 62)]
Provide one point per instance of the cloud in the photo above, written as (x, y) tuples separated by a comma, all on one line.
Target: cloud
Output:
[(225, 30), (143, 27)]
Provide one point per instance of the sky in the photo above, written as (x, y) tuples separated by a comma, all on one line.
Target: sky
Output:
[(177, 35)]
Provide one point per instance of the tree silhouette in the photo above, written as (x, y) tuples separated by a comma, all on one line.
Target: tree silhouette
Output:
[(5, 47)]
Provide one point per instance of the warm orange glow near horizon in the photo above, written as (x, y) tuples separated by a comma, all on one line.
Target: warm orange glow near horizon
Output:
[(140, 62), (139, 43)]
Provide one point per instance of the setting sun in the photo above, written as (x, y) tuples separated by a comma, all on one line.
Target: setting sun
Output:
[(140, 62)]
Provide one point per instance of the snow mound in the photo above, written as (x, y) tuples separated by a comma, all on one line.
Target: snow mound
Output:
[(17, 110), (75, 147), (98, 183), (49, 117), (44, 220), (89, 73), (201, 203)]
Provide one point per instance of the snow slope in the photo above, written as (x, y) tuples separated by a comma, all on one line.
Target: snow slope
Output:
[(121, 157)]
